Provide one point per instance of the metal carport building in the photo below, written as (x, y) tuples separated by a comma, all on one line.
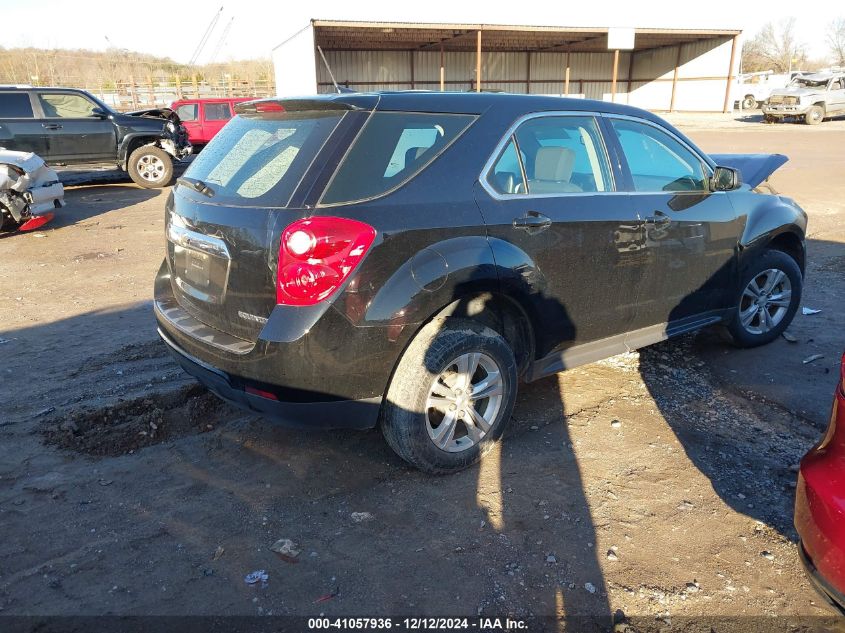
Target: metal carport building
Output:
[(667, 69)]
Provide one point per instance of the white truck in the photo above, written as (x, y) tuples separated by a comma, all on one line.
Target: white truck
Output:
[(752, 90)]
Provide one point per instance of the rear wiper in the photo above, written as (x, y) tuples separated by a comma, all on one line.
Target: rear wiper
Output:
[(197, 185)]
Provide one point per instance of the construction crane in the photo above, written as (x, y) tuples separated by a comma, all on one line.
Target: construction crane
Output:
[(205, 37), (221, 41)]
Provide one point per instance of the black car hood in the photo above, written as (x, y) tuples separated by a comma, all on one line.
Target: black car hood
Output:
[(753, 168)]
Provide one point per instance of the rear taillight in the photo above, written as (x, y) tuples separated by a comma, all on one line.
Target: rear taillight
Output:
[(269, 106), (317, 255)]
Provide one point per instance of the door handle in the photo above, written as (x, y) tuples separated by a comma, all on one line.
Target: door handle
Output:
[(51, 126), (658, 220), (532, 222)]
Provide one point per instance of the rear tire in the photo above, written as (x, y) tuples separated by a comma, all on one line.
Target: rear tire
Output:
[(430, 417), (768, 297), (150, 167), (814, 116), (749, 102)]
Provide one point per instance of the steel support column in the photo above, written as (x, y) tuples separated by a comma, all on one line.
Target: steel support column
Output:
[(730, 74), (675, 80), (478, 62)]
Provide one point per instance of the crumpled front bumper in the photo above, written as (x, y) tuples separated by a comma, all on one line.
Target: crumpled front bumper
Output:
[(177, 151), (782, 109), (29, 189)]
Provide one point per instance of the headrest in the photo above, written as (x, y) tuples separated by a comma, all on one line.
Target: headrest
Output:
[(554, 163)]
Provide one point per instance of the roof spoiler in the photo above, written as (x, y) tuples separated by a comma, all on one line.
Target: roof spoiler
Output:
[(278, 105)]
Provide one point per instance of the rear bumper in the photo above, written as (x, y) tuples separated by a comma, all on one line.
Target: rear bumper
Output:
[(324, 414), (820, 508), (315, 367), (820, 584)]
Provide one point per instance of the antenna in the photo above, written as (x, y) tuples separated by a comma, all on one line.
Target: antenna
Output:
[(329, 68), (205, 38), (221, 41)]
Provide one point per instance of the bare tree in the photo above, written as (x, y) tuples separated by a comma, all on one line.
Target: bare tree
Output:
[(836, 40), (774, 47), (124, 73)]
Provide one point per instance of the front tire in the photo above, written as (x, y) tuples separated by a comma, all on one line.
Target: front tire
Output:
[(768, 297), (150, 167), (451, 396), (814, 116), (749, 102)]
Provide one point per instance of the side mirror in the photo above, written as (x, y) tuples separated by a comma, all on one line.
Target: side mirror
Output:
[(725, 179), (99, 113)]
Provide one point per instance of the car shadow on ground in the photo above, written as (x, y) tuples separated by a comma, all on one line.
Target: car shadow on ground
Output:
[(737, 433)]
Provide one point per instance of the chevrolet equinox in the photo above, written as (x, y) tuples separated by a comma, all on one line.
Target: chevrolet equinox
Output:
[(404, 259)]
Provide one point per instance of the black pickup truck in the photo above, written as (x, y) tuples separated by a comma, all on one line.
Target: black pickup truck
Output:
[(65, 126)]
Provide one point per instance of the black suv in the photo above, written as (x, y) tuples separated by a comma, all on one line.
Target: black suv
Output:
[(65, 126), (403, 259)]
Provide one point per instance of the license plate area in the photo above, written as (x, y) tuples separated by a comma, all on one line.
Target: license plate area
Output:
[(199, 262), (200, 274)]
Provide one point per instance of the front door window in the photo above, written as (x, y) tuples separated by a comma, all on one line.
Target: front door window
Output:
[(66, 106), (658, 162)]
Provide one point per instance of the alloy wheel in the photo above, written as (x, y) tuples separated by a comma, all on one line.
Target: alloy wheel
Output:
[(150, 167), (463, 402), (765, 301)]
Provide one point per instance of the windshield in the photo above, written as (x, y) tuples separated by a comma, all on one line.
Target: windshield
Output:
[(259, 160), (804, 82)]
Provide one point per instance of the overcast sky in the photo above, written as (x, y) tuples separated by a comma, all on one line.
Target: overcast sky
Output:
[(173, 29)]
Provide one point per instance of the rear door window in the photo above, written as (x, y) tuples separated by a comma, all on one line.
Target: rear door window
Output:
[(563, 154), (506, 176), (392, 148), (15, 105), (217, 111), (259, 160)]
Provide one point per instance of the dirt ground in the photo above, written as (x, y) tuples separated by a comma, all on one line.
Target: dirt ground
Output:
[(656, 484)]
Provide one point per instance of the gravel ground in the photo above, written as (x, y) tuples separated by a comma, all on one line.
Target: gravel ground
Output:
[(656, 486)]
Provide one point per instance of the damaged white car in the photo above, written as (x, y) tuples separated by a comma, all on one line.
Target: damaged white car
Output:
[(29, 191), (811, 98)]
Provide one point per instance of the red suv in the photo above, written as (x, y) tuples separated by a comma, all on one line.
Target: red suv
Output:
[(820, 506), (203, 118)]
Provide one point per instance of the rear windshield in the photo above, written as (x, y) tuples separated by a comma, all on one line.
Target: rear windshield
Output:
[(258, 161), (391, 149)]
